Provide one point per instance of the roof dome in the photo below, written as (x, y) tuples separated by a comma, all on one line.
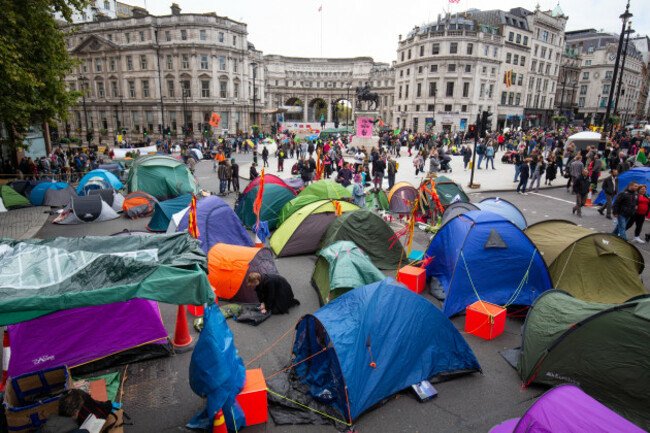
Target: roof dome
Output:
[(557, 12)]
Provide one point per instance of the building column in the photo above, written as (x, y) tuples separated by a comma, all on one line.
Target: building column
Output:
[(329, 111), (305, 110)]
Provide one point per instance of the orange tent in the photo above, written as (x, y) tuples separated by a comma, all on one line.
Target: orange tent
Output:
[(229, 266), (138, 204)]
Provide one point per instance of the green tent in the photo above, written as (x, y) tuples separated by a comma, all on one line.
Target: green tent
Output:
[(371, 233), (162, 176), (11, 199), (274, 198), (448, 191), (303, 230), (324, 189), (39, 277), (375, 199), (592, 266), (603, 348), (341, 267), (293, 205)]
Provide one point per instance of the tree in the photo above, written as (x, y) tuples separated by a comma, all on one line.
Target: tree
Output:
[(33, 64)]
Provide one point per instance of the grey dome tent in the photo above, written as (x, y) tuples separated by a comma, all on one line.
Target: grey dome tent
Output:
[(113, 198), (592, 266), (455, 209), (605, 348), (86, 209)]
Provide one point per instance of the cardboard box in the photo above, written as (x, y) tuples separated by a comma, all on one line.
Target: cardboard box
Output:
[(415, 278), (252, 398), (485, 320), (32, 397)]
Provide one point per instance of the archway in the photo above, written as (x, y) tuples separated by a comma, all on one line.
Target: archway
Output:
[(317, 110), (294, 111)]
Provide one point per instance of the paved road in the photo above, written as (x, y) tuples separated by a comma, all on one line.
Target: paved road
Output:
[(158, 396), (23, 223)]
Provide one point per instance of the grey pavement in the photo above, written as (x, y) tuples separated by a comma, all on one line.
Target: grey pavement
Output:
[(158, 396), (23, 223), (498, 179)]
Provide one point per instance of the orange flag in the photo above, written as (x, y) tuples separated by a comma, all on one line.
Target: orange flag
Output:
[(257, 205), (192, 227), (215, 120), (338, 211)]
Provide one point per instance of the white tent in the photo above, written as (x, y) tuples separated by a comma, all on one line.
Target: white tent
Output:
[(2, 206), (176, 220), (583, 139)]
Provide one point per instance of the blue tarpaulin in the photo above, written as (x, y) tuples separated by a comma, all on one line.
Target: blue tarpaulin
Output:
[(216, 222), (405, 336), (217, 372), (637, 174), (480, 255)]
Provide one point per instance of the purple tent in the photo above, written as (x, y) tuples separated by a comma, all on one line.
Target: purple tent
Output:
[(566, 409), (217, 222), (83, 335)]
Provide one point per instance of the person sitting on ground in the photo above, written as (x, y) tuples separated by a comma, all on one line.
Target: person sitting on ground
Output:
[(273, 291), (66, 420)]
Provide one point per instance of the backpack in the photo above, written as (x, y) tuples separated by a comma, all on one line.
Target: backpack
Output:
[(480, 150)]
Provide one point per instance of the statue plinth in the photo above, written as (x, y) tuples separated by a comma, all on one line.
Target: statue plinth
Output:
[(366, 143)]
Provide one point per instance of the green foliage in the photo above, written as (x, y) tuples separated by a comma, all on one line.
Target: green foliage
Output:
[(33, 63), (614, 120)]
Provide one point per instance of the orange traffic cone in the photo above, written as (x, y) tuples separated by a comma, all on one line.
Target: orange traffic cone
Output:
[(219, 423), (258, 242), (6, 354), (182, 337), (195, 311), (588, 203)]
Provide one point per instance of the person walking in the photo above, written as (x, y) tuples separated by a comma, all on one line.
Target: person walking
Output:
[(524, 172), (610, 186), (489, 156), (480, 151), (224, 174), (281, 159), (467, 156), (538, 170), (643, 202), (265, 157), (581, 189), (551, 170), (418, 163), (517, 160), (624, 208), (575, 170), (379, 166), (392, 171), (234, 175)]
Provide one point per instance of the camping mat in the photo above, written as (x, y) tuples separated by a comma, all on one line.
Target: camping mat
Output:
[(511, 356), (112, 383), (285, 412)]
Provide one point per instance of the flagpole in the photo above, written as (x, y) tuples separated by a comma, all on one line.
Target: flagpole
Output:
[(321, 30)]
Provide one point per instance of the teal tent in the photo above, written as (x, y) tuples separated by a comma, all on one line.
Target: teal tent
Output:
[(39, 277), (163, 211), (162, 176), (274, 198)]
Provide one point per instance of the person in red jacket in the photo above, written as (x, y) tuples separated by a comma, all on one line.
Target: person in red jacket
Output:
[(642, 207)]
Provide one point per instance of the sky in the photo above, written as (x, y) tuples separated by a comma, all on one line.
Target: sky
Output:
[(355, 28)]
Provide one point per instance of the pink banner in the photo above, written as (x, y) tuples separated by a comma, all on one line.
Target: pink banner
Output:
[(364, 127)]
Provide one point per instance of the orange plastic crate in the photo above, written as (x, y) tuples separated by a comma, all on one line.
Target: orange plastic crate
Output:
[(415, 278), (252, 398), (485, 320)]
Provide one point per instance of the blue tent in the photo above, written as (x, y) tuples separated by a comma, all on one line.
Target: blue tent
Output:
[(164, 210), (504, 208), (38, 193), (636, 174), (406, 337), (106, 175), (482, 256), (217, 222)]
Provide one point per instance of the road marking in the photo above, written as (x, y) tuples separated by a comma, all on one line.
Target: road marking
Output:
[(552, 198)]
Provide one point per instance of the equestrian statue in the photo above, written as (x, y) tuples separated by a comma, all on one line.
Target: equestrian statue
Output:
[(364, 94)]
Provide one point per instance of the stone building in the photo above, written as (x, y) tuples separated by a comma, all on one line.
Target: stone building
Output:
[(307, 91), (566, 101), (547, 46), (446, 73), (598, 53), (642, 43), (515, 60), (147, 73)]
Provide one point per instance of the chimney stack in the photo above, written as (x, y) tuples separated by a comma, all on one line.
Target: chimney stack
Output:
[(176, 10)]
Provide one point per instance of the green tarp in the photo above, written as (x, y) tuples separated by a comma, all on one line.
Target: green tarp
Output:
[(162, 176), (11, 199), (341, 267), (603, 348), (39, 277), (371, 233)]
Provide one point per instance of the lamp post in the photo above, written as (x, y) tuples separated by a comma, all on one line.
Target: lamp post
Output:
[(183, 96), (83, 98), (254, 65), (347, 121), (620, 78), (162, 109), (625, 17)]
